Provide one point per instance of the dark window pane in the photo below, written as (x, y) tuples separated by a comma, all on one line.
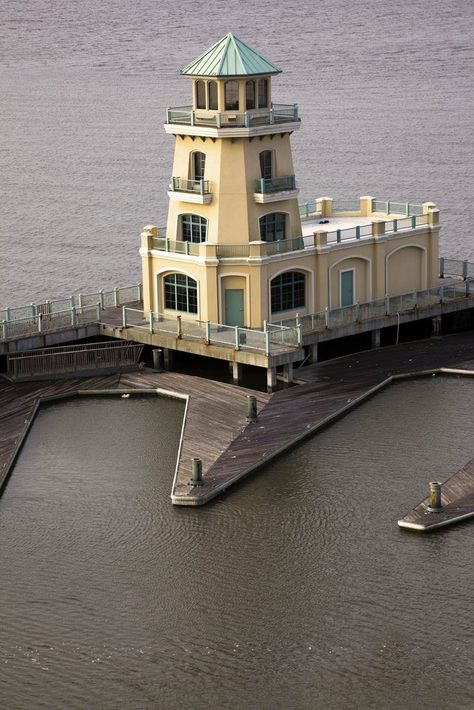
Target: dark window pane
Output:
[(288, 291), (231, 92), (199, 163), (273, 227), (266, 164), (249, 94), (193, 228), (200, 94), (181, 293), (263, 93), (212, 95)]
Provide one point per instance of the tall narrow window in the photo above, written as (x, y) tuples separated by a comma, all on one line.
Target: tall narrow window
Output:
[(181, 293), (266, 168), (273, 227), (231, 94), (198, 165), (200, 94), (212, 95), (263, 93), (193, 228), (287, 291), (249, 95)]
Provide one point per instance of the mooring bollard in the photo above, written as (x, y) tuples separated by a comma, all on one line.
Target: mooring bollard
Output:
[(196, 472), (251, 408), (435, 497)]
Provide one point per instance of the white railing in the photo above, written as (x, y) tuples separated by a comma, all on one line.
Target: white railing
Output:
[(333, 318), (106, 299), (272, 339), (48, 322)]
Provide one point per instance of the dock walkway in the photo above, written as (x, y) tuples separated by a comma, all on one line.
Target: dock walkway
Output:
[(216, 429)]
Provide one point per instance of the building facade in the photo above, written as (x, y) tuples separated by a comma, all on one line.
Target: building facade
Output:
[(237, 248)]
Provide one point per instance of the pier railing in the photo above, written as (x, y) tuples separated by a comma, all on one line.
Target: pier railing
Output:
[(388, 306), (271, 340), (49, 322), (106, 299), (72, 358)]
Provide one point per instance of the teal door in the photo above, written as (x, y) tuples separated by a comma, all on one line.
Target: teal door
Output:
[(234, 306), (347, 288)]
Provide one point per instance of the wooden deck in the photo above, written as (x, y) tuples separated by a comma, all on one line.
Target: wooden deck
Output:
[(457, 501), (328, 390), (216, 412), (216, 429)]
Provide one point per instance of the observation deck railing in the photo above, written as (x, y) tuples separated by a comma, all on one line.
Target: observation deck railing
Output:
[(266, 185), (187, 116), (199, 187)]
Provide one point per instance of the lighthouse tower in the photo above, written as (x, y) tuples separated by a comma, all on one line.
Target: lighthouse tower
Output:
[(232, 196)]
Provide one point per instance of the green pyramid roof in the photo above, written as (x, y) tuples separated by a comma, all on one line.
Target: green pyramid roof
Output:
[(230, 57)]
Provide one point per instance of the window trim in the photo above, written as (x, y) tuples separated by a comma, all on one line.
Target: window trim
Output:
[(198, 84), (213, 84), (192, 167)]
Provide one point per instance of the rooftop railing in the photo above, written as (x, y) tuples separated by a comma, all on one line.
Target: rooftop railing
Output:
[(283, 246), (278, 113), (266, 185)]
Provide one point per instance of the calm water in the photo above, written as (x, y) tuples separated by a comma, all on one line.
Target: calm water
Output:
[(385, 91), (297, 590)]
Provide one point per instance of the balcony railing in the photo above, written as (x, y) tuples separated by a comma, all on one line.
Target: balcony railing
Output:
[(198, 187), (268, 185), (279, 113)]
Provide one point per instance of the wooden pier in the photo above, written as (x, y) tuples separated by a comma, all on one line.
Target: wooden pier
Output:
[(216, 429), (457, 503)]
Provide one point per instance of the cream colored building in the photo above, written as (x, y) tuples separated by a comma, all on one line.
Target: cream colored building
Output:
[(237, 248)]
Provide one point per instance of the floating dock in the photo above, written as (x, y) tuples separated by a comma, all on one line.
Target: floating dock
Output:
[(457, 503)]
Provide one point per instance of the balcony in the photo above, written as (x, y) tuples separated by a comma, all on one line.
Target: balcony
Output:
[(274, 189), (186, 120), (196, 191)]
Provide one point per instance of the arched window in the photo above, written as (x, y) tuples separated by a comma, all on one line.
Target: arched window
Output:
[(193, 228), (200, 94), (263, 93), (266, 166), (181, 293), (287, 291), (212, 95), (249, 94), (231, 95), (273, 227), (198, 164)]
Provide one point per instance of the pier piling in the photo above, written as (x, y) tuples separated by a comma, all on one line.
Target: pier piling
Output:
[(196, 471), (251, 408), (435, 497)]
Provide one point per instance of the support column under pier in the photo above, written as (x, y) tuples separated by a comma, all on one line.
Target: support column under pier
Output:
[(313, 352), (288, 372), (236, 372), (375, 338), (436, 326), (271, 378), (168, 356)]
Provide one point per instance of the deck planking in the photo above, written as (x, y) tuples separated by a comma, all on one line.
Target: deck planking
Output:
[(216, 429), (457, 502)]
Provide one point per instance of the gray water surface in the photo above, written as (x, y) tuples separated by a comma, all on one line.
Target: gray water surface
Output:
[(296, 590)]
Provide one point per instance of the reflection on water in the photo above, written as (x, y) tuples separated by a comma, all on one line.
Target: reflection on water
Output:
[(296, 590)]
